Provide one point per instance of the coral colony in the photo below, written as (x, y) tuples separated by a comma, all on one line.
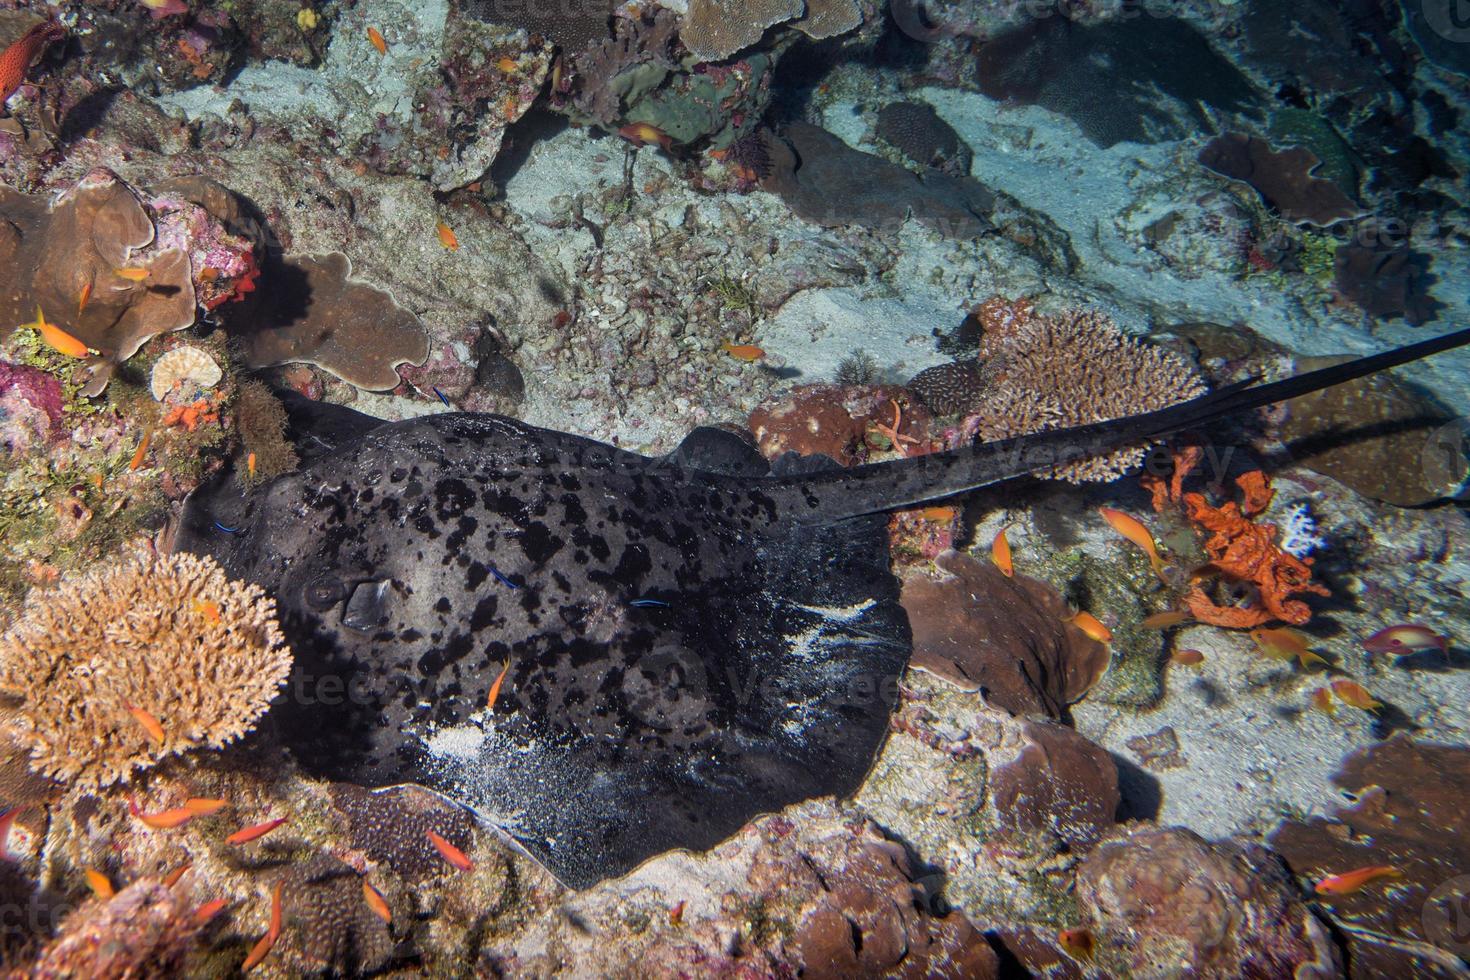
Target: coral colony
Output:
[(788, 488)]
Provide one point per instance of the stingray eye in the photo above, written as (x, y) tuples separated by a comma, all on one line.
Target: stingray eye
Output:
[(324, 593)]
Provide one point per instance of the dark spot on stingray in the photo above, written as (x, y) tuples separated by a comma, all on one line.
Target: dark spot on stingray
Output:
[(484, 613), (476, 574), (442, 605)]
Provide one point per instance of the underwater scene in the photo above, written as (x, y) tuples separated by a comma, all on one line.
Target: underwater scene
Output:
[(734, 488)]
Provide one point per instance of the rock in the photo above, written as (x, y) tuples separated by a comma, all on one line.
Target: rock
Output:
[(1370, 434), (1164, 902)]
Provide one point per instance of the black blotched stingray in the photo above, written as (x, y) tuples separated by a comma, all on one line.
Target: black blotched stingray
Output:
[(691, 641)]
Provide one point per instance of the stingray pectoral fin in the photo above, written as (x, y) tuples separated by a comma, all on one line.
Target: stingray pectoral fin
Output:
[(875, 487)]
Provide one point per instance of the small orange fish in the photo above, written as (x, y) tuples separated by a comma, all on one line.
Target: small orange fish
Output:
[(1092, 626), (495, 688), (940, 515), (250, 465), (209, 910), (83, 298), (247, 834), (1351, 881), (506, 64), (1000, 553), (141, 450), (642, 134), (172, 878), (1187, 658), (203, 806), (209, 610), (1322, 701), (163, 819), (377, 40), (676, 914), (446, 236), (743, 352), (262, 948), (377, 903), (1135, 532), (1284, 644), (1355, 695), (1166, 619), (208, 274), (133, 273), (150, 724), (1078, 943), (99, 883), (97, 480), (453, 855), (56, 338)]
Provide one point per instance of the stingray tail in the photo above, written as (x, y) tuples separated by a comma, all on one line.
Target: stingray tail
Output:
[(875, 487)]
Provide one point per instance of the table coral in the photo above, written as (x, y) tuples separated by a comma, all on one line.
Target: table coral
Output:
[(168, 636)]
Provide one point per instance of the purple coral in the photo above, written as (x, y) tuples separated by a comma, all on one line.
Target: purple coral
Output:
[(30, 406)]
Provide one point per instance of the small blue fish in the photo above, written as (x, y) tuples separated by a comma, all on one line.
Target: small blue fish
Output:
[(502, 579), (228, 530), (442, 398), (649, 603)]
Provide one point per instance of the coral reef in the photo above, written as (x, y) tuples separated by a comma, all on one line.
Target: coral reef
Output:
[(1381, 275), (260, 423), (1163, 901), (915, 130), (89, 659), (1005, 636), (839, 422), (715, 29), (183, 374), (1369, 434), (1283, 178), (390, 826), (956, 388), (318, 314), (146, 930), (1049, 372), (1407, 812), (331, 927)]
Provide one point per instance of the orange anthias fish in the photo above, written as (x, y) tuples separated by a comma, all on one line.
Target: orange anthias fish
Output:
[(1166, 619), (1092, 626), (1078, 943), (83, 298), (250, 464), (743, 352), (262, 948), (377, 903), (16, 60), (163, 819), (141, 450), (495, 688), (1404, 639), (1284, 644), (1134, 531), (1322, 701), (172, 878), (940, 515), (1356, 695), (209, 610), (1187, 658), (446, 236), (377, 40), (1000, 553), (247, 834), (451, 854), (642, 134), (203, 806), (150, 724), (56, 338), (99, 883), (209, 910), (506, 64), (1351, 881), (133, 273)]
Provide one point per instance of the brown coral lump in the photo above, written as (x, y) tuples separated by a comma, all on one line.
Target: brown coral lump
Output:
[(170, 636)]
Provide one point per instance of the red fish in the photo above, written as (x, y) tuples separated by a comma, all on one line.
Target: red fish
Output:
[(248, 834), (495, 688), (209, 910), (1000, 553), (16, 60), (172, 878), (377, 903), (1404, 639), (100, 884), (1137, 534), (148, 721), (163, 819), (450, 853), (262, 948), (1352, 881), (642, 134), (1092, 626)]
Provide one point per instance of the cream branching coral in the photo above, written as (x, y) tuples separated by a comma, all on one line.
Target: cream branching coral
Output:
[(1054, 372), (102, 662)]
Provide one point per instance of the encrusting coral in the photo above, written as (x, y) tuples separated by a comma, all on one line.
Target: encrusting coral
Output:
[(1055, 372), (121, 667)]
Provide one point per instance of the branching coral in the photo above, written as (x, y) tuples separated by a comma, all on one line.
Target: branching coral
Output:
[(169, 638), (1053, 372)]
